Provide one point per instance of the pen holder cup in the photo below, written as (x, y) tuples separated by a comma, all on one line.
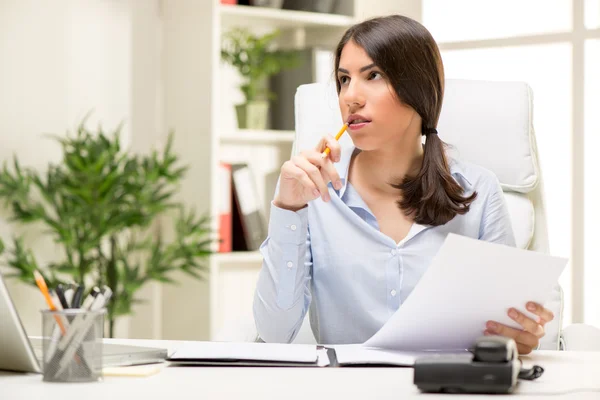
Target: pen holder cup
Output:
[(72, 345)]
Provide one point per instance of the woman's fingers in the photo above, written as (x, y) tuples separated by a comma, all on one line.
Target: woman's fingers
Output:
[(292, 170), (314, 173), (522, 348), (527, 323), (305, 177), (539, 310), (528, 338), (520, 336), (328, 170), (334, 147)]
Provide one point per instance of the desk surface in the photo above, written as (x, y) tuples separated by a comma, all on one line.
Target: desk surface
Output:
[(564, 372)]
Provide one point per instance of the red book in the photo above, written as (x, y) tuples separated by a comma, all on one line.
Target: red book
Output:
[(228, 1), (225, 222)]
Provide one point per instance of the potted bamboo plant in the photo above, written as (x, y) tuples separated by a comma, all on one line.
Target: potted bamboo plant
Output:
[(254, 59), (101, 205)]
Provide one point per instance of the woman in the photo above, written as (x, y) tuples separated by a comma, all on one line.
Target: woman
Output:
[(351, 234)]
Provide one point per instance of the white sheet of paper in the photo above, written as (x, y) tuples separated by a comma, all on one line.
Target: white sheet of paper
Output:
[(323, 360), (468, 283), (348, 354), (247, 351)]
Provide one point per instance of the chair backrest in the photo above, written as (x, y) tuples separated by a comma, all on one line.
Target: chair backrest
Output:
[(486, 123)]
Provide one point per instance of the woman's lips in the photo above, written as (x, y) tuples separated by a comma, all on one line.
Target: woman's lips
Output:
[(357, 126)]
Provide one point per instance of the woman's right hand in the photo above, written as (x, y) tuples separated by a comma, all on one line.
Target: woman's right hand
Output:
[(305, 176)]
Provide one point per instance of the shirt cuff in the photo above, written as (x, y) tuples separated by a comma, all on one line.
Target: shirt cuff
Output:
[(287, 226)]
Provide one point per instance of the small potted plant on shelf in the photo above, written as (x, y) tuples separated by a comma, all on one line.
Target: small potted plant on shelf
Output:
[(253, 57)]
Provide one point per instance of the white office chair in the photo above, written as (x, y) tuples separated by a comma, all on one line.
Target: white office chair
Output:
[(580, 337), (486, 123)]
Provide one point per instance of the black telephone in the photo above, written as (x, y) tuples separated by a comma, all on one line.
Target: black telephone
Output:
[(492, 366)]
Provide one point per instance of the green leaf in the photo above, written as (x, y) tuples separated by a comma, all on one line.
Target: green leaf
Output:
[(193, 273)]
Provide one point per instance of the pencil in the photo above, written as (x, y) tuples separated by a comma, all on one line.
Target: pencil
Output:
[(41, 283), (337, 137)]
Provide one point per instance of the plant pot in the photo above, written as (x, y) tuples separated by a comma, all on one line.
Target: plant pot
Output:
[(252, 115)]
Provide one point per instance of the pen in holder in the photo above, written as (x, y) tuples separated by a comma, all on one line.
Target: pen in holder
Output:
[(72, 345)]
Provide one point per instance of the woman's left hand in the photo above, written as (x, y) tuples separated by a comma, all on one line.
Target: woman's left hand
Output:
[(528, 338)]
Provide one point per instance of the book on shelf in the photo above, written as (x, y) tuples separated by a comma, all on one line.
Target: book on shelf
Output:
[(225, 201), (250, 225), (243, 224)]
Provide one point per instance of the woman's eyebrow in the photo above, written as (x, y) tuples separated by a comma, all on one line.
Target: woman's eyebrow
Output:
[(363, 69), (366, 67)]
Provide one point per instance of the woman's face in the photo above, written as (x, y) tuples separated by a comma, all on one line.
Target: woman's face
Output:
[(369, 103)]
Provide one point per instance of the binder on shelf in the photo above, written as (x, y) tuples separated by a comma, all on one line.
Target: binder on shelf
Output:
[(248, 222), (225, 217)]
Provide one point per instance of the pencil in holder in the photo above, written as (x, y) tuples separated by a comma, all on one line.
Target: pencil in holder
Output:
[(72, 345)]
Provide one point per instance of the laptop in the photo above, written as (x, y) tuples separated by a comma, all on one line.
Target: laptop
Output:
[(20, 353)]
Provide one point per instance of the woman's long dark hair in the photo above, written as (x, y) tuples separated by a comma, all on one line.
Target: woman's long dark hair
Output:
[(410, 59)]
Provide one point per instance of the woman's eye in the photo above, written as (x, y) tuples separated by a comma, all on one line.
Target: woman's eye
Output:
[(343, 79), (375, 75)]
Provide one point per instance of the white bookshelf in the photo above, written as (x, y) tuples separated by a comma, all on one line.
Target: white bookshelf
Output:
[(250, 17), (239, 257), (257, 136), (199, 94)]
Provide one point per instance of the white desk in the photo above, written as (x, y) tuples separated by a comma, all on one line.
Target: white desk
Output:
[(563, 371)]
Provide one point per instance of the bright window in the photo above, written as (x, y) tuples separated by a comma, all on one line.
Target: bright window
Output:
[(461, 20), (592, 14)]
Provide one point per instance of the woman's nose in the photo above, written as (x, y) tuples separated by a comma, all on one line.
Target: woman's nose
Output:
[(353, 96)]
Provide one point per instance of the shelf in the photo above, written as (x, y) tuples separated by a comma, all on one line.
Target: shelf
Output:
[(248, 16), (258, 136), (239, 257)]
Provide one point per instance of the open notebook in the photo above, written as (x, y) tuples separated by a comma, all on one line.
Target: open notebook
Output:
[(285, 355), (468, 283), (249, 354)]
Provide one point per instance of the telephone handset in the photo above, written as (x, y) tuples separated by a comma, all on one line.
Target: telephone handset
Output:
[(494, 349), (491, 366)]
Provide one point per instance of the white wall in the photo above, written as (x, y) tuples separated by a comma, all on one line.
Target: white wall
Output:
[(60, 60)]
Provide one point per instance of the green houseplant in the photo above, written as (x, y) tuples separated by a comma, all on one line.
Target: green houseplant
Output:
[(253, 58), (101, 205)]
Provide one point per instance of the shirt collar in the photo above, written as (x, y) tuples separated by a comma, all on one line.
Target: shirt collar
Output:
[(457, 169)]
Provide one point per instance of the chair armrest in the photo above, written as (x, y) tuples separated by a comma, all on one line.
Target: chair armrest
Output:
[(551, 341)]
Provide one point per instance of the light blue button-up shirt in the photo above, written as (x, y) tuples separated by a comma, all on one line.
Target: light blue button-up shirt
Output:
[(332, 258)]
